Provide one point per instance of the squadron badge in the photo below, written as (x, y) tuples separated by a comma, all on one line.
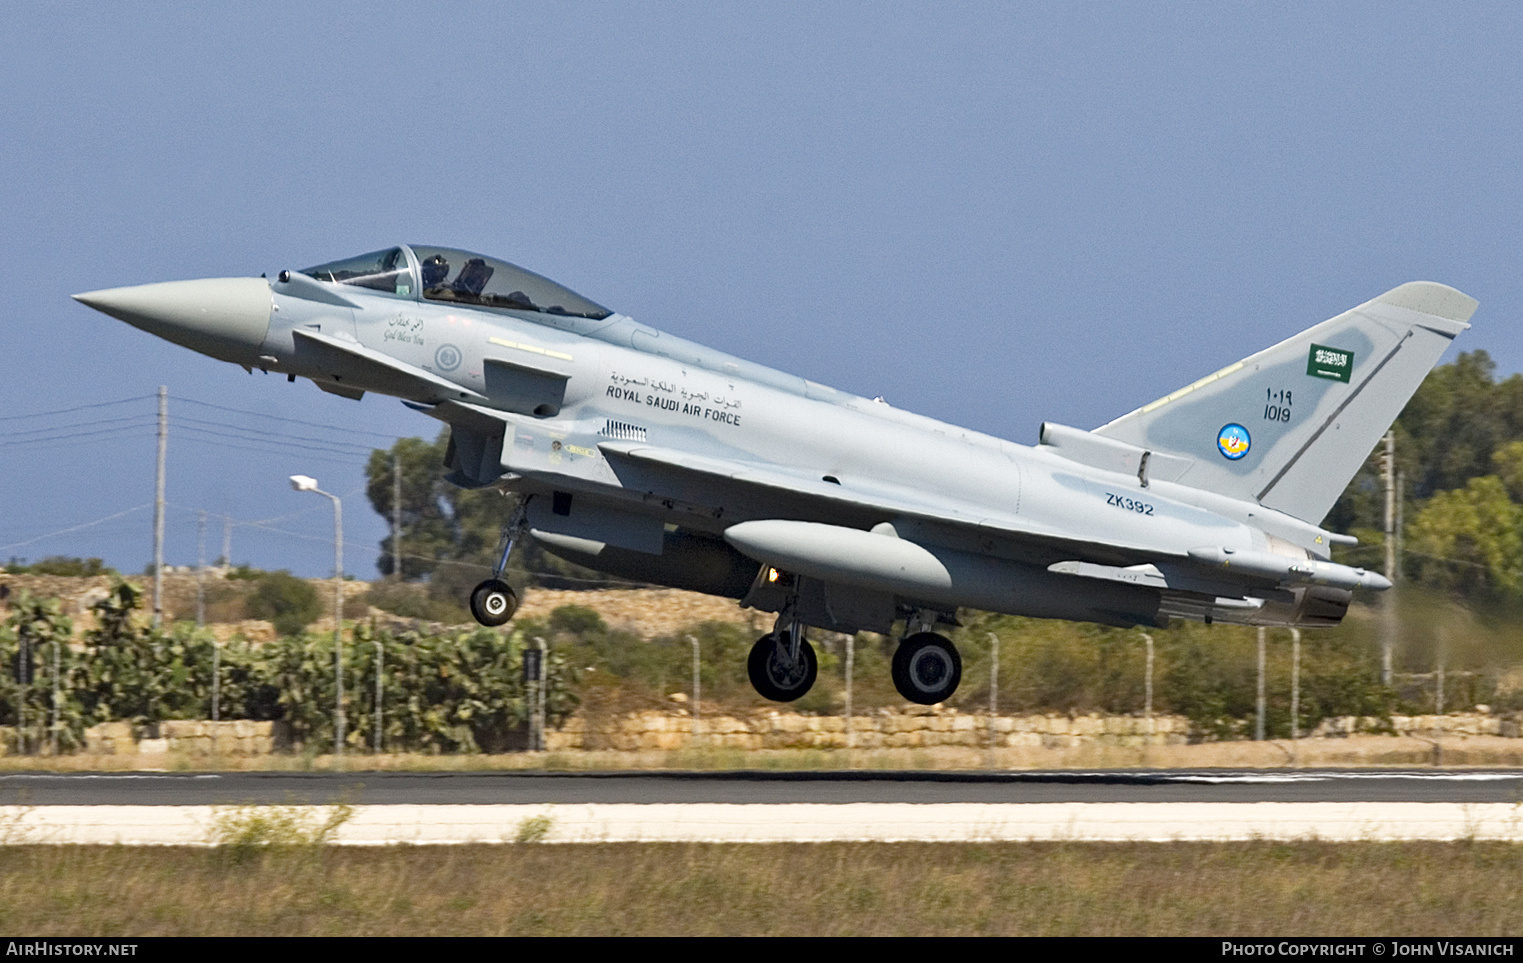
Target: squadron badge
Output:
[(1233, 441)]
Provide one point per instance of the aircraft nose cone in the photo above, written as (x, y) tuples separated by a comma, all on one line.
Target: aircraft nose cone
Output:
[(226, 318)]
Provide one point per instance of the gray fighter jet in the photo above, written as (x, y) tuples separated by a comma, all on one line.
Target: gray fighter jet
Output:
[(650, 457)]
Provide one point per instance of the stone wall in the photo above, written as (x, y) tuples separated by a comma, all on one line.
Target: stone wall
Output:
[(655, 730), (1459, 725), (184, 737), (787, 730)]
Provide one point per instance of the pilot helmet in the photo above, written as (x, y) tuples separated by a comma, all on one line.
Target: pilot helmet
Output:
[(435, 270)]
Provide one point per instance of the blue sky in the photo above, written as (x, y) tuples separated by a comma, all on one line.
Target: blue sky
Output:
[(993, 214)]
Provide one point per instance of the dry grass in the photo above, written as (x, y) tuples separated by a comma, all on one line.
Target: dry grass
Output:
[(645, 612), (1355, 751), (1397, 889)]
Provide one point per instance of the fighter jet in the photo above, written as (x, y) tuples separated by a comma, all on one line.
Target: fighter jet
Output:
[(650, 457)]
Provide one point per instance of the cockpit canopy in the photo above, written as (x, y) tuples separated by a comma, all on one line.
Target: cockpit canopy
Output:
[(448, 274)]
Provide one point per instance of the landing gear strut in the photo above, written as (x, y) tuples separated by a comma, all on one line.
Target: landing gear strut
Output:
[(926, 668), (493, 602), (782, 665)]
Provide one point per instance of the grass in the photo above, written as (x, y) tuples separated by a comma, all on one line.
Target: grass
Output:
[(1245, 889), (1352, 751), (243, 832)]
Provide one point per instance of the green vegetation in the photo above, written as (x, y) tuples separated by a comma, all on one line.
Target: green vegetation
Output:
[(243, 832), (1459, 452), (810, 889), (287, 602), (60, 565), (455, 691), (462, 690)]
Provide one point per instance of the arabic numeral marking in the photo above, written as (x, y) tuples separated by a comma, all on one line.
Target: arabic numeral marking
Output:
[(1277, 413)]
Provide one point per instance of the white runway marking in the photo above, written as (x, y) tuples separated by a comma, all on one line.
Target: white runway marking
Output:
[(802, 822)]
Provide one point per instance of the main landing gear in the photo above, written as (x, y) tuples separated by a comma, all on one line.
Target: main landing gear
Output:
[(782, 665), (493, 602), (926, 666)]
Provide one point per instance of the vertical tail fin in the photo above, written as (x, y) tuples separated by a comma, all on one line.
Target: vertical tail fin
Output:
[(1288, 427)]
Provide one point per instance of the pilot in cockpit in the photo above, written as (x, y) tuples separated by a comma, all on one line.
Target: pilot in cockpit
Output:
[(435, 270)]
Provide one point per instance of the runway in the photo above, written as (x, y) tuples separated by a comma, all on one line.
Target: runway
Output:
[(742, 787), (459, 808)]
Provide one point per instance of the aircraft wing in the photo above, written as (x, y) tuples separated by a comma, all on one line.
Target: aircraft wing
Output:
[(865, 505), (351, 363)]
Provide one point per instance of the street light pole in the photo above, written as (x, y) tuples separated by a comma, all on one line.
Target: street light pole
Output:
[(304, 483)]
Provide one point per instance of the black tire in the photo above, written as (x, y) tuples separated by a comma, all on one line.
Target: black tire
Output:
[(768, 677), (927, 668), (493, 602)]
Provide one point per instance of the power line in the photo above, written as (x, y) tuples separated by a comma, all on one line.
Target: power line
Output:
[(265, 432), (272, 447), (117, 434), (8, 435), (65, 411), (75, 528), (294, 421)]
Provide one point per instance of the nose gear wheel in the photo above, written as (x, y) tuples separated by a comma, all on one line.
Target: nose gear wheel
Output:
[(774, 676), (493, 602)]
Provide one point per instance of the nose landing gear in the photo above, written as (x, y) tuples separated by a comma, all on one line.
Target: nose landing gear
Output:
[(782, 664), (494, 602)]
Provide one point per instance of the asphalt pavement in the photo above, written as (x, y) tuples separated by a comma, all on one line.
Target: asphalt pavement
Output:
[(844, 787)]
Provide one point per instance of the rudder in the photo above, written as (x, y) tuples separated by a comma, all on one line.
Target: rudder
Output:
[(1289, 426)]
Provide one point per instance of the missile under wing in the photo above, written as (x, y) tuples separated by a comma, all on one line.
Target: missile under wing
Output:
[(652, 457)]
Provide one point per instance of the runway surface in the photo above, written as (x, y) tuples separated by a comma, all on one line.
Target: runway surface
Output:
[(456, 808), (495, 788)]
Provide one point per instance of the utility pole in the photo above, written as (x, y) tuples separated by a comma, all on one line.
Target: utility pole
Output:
[(1147, 686), (1438, 678), (993, 685), (1388, 636), (851, 658), (338, 623), (56, 696), (380, 660), (158, 509), (396, 517), (696, 713), (1295, 693), (1258, 721), (227, 541), (201, 570)]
